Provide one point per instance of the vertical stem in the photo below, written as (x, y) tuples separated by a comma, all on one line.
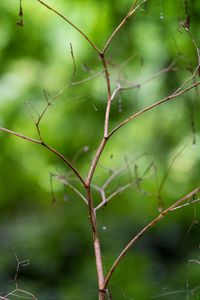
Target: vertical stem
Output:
[(92, 213), (107, 116), (96, 244), (95, 161), (102, 295)]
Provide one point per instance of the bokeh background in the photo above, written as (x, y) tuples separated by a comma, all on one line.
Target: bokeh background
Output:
[(55, 236)]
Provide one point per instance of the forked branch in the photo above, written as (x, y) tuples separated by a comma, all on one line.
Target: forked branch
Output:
[(50, 101), (139, 85), (166, 99)]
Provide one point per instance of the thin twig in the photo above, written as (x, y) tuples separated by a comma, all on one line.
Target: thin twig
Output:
[(174, 95), (13, 293), (27, 138), (62, 179), (195, 45), (186, 204), (147, 227), (87, 79), (130, 13), (57, 153), (121, 189), (120, 171), (73, 25), (66, 161), (164, 179), (51, 101), (115, 193), (188, 80), (139, 85)]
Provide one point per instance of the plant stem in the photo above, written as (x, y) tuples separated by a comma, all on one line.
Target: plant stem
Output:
[(66, 161), (95, 161), (109, 95), (129, 14), (96, 244), (51, 149), (177, 94), (27, 138), (72, 24)]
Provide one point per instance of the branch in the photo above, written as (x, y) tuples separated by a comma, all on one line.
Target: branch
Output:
[(73, 25), (62, 179), (86, 79), (21, 136), (188, 80), (186, 204), (57, 153), (22, 294), (137, 84), (130, 13), (164, 179), (116, 192), (147, 227), (52, 100), (174, 95), (95, 161), (120, 171), (27, 295), (195, 45), (121, 189), (66, 161)]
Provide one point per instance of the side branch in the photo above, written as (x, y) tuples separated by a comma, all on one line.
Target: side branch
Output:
[(148, 226), (67, 162), (139, 85), (27, 138), (73, 25), (52, 100), (132, 10), (174, 95)]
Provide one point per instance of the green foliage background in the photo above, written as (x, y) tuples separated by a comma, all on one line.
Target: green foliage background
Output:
[(57, 238)]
